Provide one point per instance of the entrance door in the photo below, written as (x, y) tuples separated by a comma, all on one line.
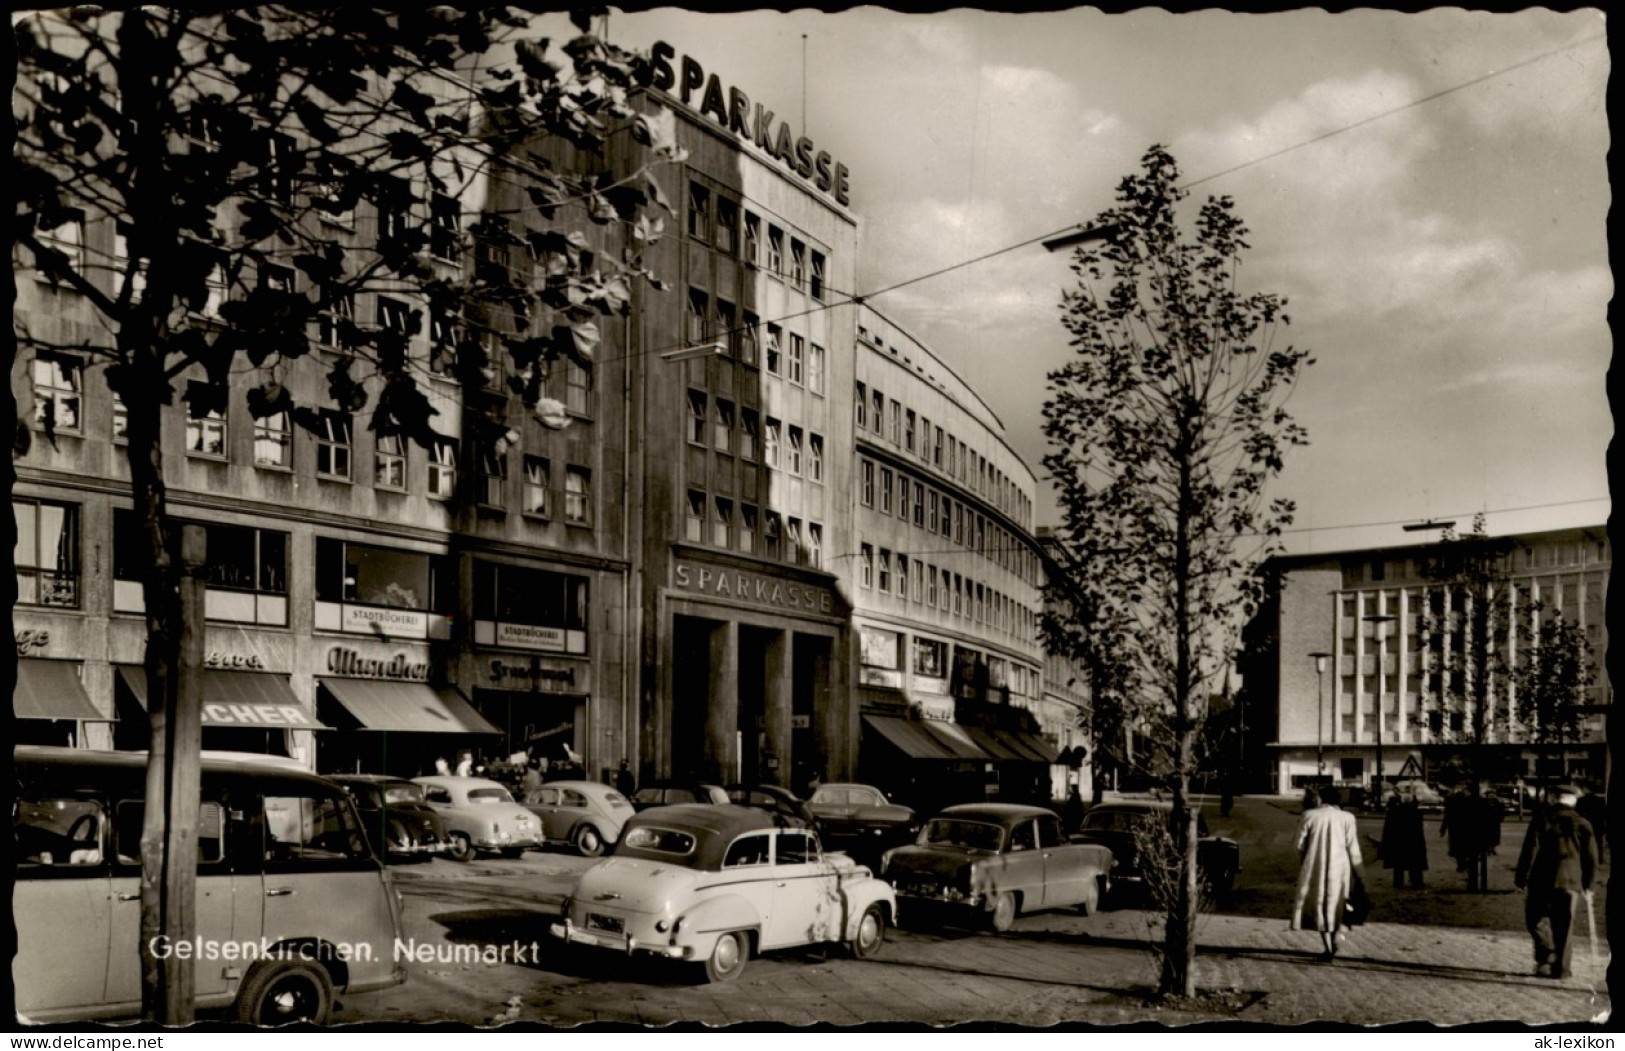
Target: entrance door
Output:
[(690, 692), (753, 690)]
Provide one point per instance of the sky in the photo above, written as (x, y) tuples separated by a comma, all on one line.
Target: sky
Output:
[(1437, 221)]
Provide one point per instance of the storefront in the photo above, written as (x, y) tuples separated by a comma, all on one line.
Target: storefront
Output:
[(750, 671)]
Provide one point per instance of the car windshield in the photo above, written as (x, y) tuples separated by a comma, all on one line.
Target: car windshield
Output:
[(955, 832), (615, 799), (489, 795), (658, 844), (403, 793)]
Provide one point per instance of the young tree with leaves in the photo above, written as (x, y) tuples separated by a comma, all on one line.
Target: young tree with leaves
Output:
[(214, 189), (1554, 678), (1165, 427)]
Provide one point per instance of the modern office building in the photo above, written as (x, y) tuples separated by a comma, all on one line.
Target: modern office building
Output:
[(1371, 614)]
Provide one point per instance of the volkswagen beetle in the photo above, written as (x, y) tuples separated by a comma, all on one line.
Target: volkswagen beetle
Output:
[(712, 884)]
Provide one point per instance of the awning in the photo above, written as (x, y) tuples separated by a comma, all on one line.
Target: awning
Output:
[(52, 690), (413, 707), (993, 744), (1038, 745), (907, 736), (954, 739), (256, 700)]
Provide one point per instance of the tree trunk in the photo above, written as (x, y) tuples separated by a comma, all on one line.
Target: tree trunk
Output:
[(1179, 944)]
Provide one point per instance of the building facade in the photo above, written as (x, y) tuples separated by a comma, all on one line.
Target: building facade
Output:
[(1312, 718)]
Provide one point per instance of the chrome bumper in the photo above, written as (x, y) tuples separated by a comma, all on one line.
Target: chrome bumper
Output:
[(569, 932)]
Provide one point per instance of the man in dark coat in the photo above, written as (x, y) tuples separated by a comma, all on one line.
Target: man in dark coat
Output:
[(1593, 806), (1557, 863), (1473, 824), (1404, 844)]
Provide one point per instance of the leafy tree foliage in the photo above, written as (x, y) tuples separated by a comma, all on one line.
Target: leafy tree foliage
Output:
[(1554, 681), (1164, 428)]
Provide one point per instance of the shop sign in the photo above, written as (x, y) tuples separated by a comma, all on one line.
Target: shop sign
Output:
[(755, 588), (215, 714), (755, 126), (800, 722), (529, 637), (383, 620), (880, 677), (341, 660), (534, 673), (235, 661), (937, 707), (31, 639)]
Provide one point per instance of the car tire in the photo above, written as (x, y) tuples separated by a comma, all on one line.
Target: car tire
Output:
[(871, 933), (728, 957), (462, 848), (1003, 913), (513, 853), (1092, 899), (588, 842), (281, 993)]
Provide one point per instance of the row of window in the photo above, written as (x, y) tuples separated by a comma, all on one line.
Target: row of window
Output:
[(713, 520), (713, 422), (918, 581), (714, 218), (892, 492), (246, 563), (916, 434), (744, 337)]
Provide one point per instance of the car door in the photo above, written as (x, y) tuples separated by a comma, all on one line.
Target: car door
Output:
[(1067, 873), (546, 807), (1021, 866), (320, 879), (573, 810), (747, 872), (60, 904), (805, 897)]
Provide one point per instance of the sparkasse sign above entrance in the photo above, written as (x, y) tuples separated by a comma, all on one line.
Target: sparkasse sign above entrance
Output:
[(758, 125), (742, 586)]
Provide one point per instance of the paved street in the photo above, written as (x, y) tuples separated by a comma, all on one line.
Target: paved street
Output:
[(1053, 967)]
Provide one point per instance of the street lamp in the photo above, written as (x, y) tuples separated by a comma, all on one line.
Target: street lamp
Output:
[(707, 350), (1320, 711), (1081, 236), (1377, 620)]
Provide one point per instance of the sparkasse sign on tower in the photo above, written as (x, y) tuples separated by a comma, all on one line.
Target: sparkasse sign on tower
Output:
[(757, 126)]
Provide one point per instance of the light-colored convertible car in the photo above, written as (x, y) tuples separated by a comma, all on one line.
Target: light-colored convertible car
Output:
[(993, 861), (480, 815), (713, 884)]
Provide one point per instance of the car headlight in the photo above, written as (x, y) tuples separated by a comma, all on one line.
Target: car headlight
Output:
[(662, 926)]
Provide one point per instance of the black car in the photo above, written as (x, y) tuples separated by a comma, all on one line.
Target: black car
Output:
[(400, 825), (1114, 825), (668, 793), (782, 803)]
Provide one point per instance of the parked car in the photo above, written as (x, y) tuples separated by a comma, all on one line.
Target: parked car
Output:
[(860, 819), (791, 810), (479, 814), (585, 814), (713, 884), (994, 861), (1427, 796), (670, 793), (400, 824), (1113, 825), (285, 877)]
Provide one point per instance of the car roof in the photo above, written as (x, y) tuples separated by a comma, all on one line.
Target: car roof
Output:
[(997, 811), (61, 764), (849, 784), (464, 783), (772, 790), (721, 819), (1147, 806), (581, 786)]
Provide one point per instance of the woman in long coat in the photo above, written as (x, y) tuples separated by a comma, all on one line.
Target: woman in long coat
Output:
[(1329, 846)]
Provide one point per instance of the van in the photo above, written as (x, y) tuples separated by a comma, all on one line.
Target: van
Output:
[(292, 908)]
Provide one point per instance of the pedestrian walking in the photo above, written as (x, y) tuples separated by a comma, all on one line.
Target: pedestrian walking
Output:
[(442, 767), (465, 764), (1593, 806), (1072, 812), (1556, 865), (1311, 799), (1473, 825), (1329, 849), (1404, 842), (531, 783), (625, 783)]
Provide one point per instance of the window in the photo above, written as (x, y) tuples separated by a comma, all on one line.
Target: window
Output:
[(919, 504), (442, 469), (326, 197), (60, 833), (125, 267), (959, 596), (121, 419), (696, 417), (68, 239), (577, 495), (885, 570), (213, 293), (694, 520), (908, 430), (46, 553), (925, 438), (902, 575), (722, 523), (747, 528), (860, 411), (333, 446), (798, 551), (747, 339), (885, 490), (866, 472), (931, 593), (798, 359), (699, 212), (771, 442), (538, 479), (770, 535), (389, 463), (795, 450), (577, 389), (877, 402), (959, 523), (816, 289), (936, 449), (746, 851), (727, 224), (273, 438), (750, 426), (798, 263), (276, 278), (247, 575), (391, 221), (493, 477), (947, 505), (394, 316), (206, 436), (58, 380), (931, 511), (723, 430), (815, 545), (698, 316), (921, 571), (445, 226), (728, 326), (753, 239), (775, 249), (815, 369), (866, 566), (334, 323), (796, 848), (775, 336), (815, 458), (896, 418)]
